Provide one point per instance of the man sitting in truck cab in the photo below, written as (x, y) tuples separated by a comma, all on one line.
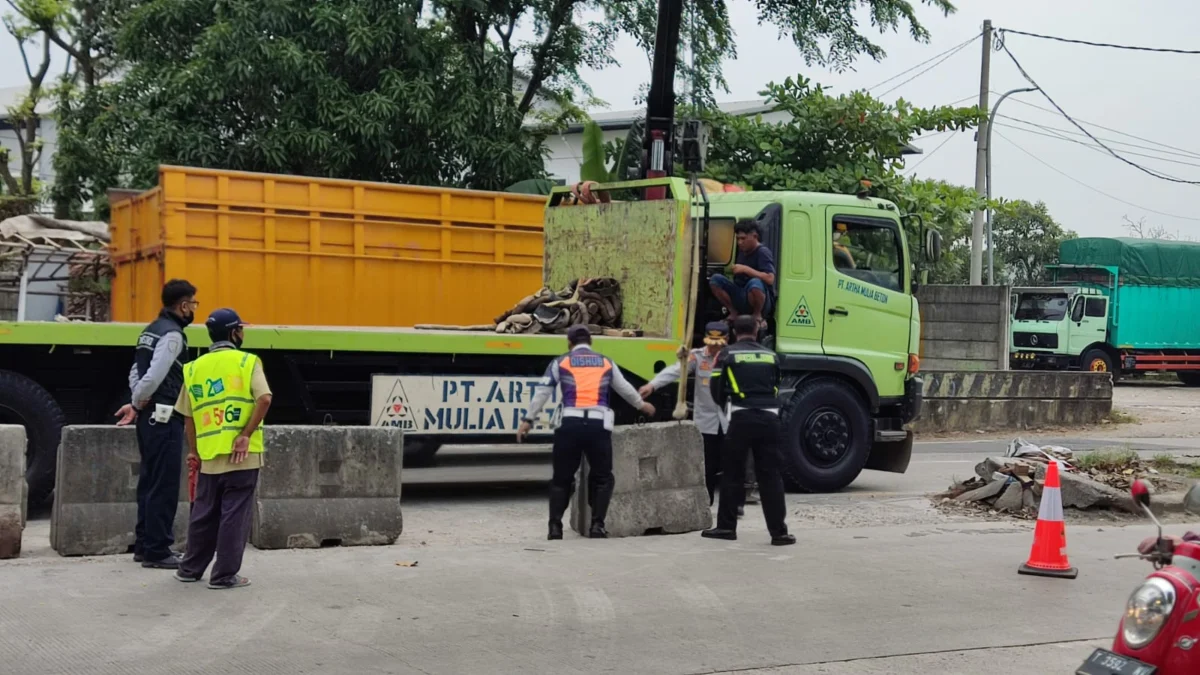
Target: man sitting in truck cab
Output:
[(752, 289)]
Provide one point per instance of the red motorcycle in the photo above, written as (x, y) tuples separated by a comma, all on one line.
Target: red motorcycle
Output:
[(1161, 627)]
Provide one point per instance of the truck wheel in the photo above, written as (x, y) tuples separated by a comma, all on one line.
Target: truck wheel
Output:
[(27, 403), (826, 436), (1190, 378), (420, 453), (1098, 361)]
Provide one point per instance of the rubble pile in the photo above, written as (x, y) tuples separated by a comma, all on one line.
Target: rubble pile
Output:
[(595, 303), (1013, 484)]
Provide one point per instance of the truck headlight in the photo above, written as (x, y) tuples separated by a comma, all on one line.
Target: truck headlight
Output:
[(1147, 611)]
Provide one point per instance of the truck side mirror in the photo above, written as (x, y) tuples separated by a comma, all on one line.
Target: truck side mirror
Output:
[(932, 246)]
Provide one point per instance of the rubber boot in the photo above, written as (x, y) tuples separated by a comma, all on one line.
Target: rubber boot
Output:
[(600, 500), (560, 499)]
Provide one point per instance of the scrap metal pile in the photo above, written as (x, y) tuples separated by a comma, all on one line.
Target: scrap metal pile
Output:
[(595, 303)]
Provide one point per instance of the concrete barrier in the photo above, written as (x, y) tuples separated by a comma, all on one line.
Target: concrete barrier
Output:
[(95, 497), (659, 470), (1012, 399), (329, 486), (964, 327), (12, 489)]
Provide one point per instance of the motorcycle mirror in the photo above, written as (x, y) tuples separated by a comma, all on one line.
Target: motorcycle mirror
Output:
[(1141, 492)]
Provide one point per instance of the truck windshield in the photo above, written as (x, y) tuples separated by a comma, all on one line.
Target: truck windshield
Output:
[(1042, 307)]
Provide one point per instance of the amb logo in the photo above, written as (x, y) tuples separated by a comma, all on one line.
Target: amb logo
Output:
[(801, 316)]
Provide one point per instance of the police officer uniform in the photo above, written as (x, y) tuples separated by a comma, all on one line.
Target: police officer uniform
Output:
[(586, 378), (221, 392), (156, 378), (709, 417), (746, 379)]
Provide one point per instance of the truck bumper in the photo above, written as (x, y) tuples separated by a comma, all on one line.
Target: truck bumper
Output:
[(891, 447), (1027, 360)]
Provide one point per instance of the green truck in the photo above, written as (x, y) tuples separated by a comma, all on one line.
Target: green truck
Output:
[(849, 338), (1118, 305)]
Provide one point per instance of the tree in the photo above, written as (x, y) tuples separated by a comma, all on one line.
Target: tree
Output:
[(1027, 239), (1141, 230), (22, 189), (834, 143)]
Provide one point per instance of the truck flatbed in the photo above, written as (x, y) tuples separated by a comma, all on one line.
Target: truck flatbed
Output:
[(638, 355)]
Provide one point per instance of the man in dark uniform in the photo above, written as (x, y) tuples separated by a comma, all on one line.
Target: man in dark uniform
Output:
[(154, 383), (586, 429), (746, 379)]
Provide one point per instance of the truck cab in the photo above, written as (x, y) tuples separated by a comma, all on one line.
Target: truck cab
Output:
[(1059, 328), (845, 320)]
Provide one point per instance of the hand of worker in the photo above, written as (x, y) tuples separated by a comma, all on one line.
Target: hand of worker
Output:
[(523, 430), (126, 415), (682, 352), (648, 409), (193, 459), (241, 448), (743, 269), (645, 391)]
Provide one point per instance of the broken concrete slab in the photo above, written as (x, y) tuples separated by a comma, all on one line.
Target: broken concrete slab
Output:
[(1012, 500), (328, 486), (986, 492), (12, 489), (659, 472), (1081, 492)]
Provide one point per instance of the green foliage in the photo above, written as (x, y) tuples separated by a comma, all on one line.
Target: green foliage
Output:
[(832, 143), (532, 186), (1027, 240), (593, 167)]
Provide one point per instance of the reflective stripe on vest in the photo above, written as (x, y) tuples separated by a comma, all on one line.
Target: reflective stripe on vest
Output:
[(585, 377), (218, 385)]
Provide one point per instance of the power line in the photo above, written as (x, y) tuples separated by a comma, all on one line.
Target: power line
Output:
[(1180, 151), (1093, 189), (935, 65), (1070, 119), (1163, 50), (953, 50), (1093, 147), (1100, 126), (930, 154)]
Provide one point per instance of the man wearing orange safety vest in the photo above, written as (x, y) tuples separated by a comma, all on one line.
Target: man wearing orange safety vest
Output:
[(586, 378)]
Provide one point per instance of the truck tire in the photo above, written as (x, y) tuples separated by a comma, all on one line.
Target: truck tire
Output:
[(1098, 361), (27, 403), (826, 427), (420, 453), (1189, 378)]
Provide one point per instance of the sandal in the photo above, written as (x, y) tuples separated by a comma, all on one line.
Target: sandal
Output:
[(235, 582)]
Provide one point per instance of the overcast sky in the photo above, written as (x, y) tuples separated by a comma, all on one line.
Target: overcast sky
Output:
[(1150, 95)]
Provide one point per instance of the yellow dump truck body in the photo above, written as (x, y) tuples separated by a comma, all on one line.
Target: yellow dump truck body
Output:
[(294, 250)]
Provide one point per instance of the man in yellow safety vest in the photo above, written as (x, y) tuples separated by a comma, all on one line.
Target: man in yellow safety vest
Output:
[(224, 399)]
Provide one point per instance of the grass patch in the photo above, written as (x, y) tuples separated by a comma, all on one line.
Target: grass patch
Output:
[(1121, 417), (1107, 460), (1168, 464)]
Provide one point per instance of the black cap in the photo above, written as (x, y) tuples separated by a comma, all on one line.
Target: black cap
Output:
[(222, 321), (579, 334)]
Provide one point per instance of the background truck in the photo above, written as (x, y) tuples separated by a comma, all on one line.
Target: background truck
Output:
[(1119, 305)]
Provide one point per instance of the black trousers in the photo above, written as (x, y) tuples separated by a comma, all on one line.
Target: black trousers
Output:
[(713, 444), (576, 438), (220, 524), (758, 432), (160, 445)]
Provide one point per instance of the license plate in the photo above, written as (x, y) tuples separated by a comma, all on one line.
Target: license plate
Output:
[(1104, 662)]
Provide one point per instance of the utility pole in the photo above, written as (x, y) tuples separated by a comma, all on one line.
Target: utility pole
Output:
[(981, 152)]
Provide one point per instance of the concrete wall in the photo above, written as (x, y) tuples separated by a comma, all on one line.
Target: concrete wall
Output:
[(1014, 399), (659, 472), (95, 496), (964, 327), (12, 489), (329, 486)]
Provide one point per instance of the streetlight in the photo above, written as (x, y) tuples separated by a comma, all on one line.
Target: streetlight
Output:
[(988, 189)]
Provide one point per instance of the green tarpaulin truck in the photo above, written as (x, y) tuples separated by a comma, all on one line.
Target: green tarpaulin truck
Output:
[(1118, 305), (848, 335)]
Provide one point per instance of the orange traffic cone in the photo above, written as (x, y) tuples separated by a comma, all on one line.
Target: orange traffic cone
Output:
[(1049, 555)]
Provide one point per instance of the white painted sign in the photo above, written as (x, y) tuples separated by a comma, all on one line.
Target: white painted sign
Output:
[(458, 404)]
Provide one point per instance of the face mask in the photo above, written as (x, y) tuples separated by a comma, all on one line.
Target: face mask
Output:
[(186, 319), (236, 339)]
